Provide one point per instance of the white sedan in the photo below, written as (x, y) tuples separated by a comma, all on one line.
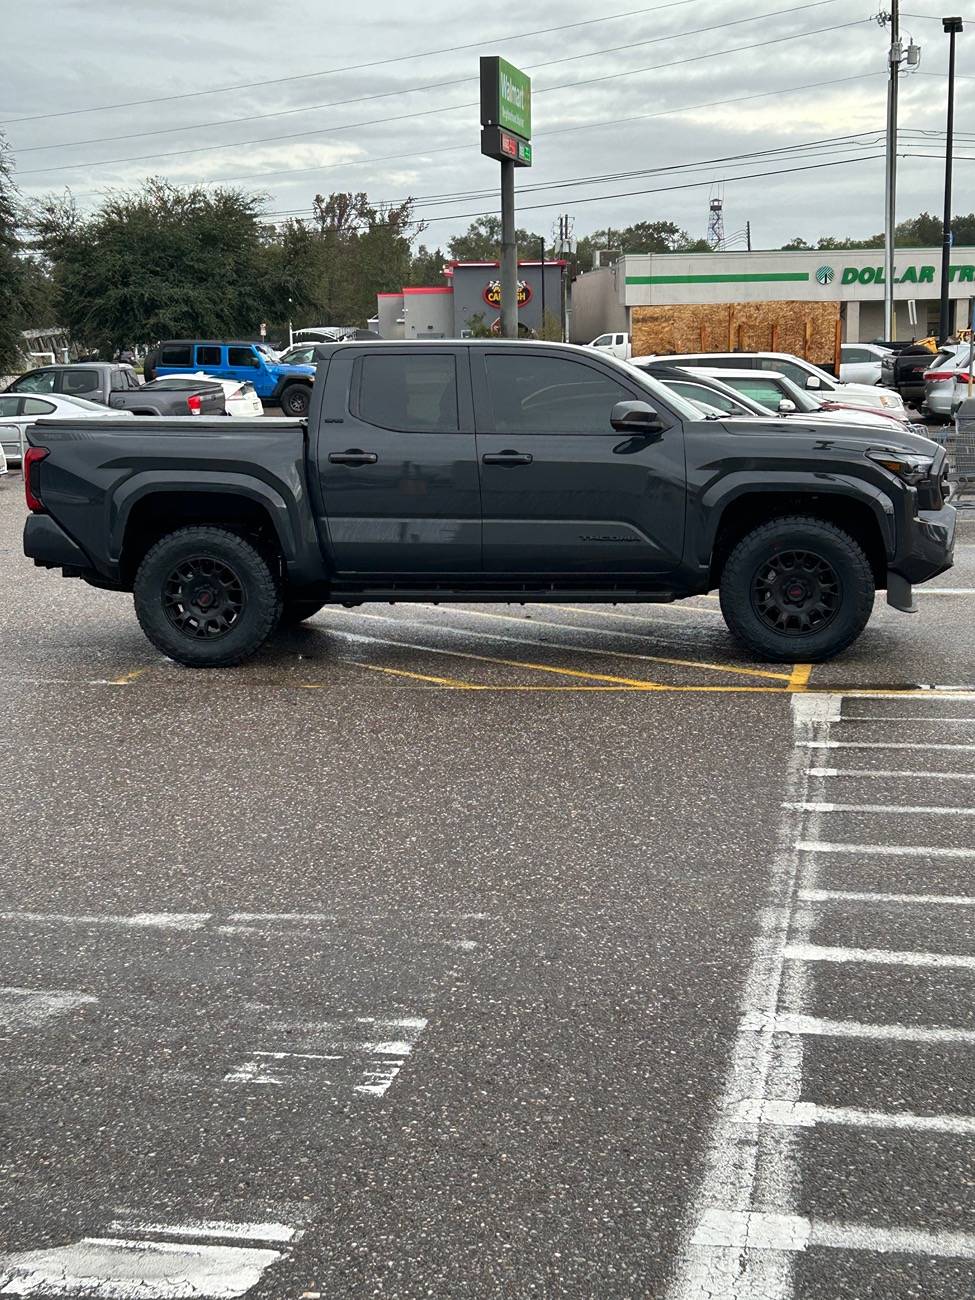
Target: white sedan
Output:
[(240, 397), (18, 411), (860, 362)]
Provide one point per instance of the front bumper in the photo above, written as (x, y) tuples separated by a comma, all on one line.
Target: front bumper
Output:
[(929, 546)]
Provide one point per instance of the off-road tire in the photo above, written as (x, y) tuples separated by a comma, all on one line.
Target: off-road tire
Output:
[(748, 591), (168, 620), (296, 611), (295, 400)]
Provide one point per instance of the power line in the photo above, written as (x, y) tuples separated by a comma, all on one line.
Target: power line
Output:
[(351, 67), (567, 130), (399, 117), (411, 90)]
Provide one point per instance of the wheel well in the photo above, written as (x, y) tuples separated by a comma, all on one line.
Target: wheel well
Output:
[(757, 508), (164, 512)]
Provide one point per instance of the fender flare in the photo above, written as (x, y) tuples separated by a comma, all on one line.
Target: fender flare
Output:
[(715, 500), (139, 487), (282, 384)]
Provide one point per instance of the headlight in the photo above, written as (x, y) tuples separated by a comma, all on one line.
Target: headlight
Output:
[(885, 401), (908, 467)]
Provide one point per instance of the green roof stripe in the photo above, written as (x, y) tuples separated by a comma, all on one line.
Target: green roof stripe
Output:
[(745, 277)]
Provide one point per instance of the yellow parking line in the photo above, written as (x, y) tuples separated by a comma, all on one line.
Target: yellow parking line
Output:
[(735, 669), (128, 677), (453, 682), (799, 680)]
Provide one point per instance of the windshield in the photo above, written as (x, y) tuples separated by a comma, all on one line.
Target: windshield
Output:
[(680, 405)]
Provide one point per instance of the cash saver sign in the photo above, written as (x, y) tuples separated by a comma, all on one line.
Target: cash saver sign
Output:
[(506, 97), (912, 274), (492, 294)]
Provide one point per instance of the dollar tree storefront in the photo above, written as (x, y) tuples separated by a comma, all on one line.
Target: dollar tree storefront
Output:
[(847, 286)]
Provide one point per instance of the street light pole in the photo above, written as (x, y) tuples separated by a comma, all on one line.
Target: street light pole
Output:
[(952, 27), (890, 192)]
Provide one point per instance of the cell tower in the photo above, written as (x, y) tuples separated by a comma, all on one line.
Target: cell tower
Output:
[(716, 224)]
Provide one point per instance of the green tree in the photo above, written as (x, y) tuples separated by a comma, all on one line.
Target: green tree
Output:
[(19, 281), (155, 262), (481, 242), (426, 266)]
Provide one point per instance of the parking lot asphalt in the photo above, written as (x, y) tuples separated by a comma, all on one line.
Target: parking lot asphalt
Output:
[(488, 950)]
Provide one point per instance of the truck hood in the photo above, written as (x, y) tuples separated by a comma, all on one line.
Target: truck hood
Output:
[(283, 371), (840, 436)]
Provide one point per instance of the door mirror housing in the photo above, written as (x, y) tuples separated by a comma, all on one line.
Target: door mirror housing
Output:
[(636, 418), (813, 381), (787, 406)]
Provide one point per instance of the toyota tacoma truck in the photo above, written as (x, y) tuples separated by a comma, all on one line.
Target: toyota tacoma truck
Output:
[(488, 471)]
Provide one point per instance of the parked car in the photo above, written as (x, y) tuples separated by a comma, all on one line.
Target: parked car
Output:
[(946, 382), (276, 383), (118, 387), (903, 371), (860, 363), (617, 345), (18, 413), (239, 395), (489, 470), (778, 394), (802, 373)]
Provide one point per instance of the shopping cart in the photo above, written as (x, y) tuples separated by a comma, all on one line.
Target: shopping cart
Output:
[(960, 445)]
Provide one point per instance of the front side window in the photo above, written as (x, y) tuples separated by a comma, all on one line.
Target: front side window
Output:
[(411, 394), (765, 391), (34, 406), (710, 397), (855, 354), (80, 381), (40, 382), (9, 407), (603, 341), (176, 354), (538, 394), (208, 356), (242, 357)]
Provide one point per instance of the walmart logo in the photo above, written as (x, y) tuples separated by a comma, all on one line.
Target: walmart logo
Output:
[(825, 275)]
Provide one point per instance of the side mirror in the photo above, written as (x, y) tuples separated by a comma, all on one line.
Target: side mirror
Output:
[(787, 406), (813, 382), (636, 418)]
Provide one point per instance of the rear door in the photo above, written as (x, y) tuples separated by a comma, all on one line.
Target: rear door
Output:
[(82, 382), (561, 491), (396, 460)]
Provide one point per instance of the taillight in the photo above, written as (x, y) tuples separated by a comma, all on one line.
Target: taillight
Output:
[(194, 403), (32, 487), (937, 376)]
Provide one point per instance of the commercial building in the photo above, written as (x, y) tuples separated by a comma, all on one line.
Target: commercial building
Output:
[(847, 285), (471, 297)]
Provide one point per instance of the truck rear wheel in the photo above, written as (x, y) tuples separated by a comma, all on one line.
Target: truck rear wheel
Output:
[(797, 590), (295, 399), (206, 598)]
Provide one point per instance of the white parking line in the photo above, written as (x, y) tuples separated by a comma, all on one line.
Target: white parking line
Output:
[(28, 1008), (139, 920), (883, 850), (762, 1231), (944, 591), (867, 896), (912, 718), (888, 810), (819, 1027), (221, 1229), (878, 744), (806, 1114), (876, 774), (877, 956)]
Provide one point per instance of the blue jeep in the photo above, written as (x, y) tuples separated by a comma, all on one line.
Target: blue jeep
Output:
[(287, 386)]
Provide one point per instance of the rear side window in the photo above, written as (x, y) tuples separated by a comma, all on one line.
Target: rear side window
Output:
[(242, 357), (208, 356), (759, 390), (33, 406), (710, 397), (411, 394), (787, 368), (176, 354), (9, 406), (80, 381)]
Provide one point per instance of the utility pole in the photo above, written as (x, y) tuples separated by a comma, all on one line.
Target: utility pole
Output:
[(748, 235), (952, 27), (542, 251), (895, 57)]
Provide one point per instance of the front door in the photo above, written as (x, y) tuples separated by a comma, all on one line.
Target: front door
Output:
[(396, 460), (561, 491)]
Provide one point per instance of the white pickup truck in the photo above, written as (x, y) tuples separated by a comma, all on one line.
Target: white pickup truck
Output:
[(617, 345)]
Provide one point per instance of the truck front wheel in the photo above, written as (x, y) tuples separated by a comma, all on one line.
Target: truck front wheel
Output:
[(797, 590), (295, 399), (206, 598)]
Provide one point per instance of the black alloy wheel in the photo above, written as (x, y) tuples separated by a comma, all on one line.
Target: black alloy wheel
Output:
[(796, 593), (204, 598)]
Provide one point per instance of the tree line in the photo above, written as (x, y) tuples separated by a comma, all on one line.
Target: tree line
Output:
[(168, 261)]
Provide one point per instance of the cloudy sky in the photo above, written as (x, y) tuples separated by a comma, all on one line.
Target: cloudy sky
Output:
[(642, 113)]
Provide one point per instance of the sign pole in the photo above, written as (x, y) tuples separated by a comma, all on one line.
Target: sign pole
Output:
[(509, 254)]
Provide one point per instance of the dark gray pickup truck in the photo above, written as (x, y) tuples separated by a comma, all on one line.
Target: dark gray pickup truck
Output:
[(488, 471), (118, 386)]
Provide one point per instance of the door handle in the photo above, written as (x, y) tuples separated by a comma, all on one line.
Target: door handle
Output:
[(353, 457), (507, 458)]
